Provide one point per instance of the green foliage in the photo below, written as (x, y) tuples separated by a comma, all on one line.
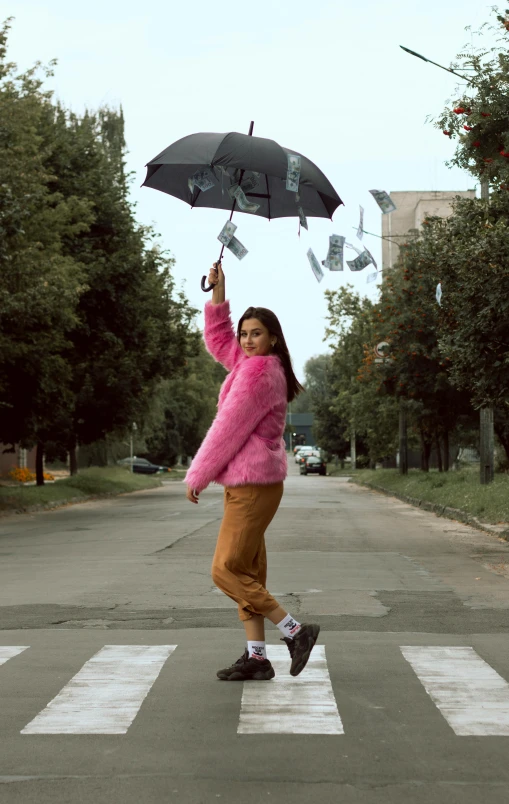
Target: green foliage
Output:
[(328, 428), (91, 482), (40, 284), (460, 490), (473, 259), (90, 320), (183, 408), (356, 401)]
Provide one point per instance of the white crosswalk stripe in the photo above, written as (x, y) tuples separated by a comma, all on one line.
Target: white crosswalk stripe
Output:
[(470, 694), (107, 693), (287, 705), (105, 696), (9, 651)]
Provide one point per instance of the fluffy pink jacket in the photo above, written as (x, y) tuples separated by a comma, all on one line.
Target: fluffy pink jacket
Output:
[(245, 441)]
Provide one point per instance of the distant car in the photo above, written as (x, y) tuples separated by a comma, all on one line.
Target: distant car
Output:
[(303, 451), (303, 456), (313, 464), (143, 467)]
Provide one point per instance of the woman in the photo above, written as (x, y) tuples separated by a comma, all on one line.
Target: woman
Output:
[(244, 451)]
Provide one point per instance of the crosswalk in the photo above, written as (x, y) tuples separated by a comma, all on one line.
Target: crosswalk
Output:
[(108, 692)]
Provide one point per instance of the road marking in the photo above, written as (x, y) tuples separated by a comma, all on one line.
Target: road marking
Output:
[(470, 694), (287, 705), (106, 694), (10, 651)]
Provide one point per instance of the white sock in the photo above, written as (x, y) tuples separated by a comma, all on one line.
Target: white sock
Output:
[(257, 650), (289, 627)]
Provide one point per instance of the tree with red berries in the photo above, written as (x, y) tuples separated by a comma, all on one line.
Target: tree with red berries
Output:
[(479, 117)]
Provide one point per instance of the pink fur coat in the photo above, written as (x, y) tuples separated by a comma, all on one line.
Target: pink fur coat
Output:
[(245, 441)]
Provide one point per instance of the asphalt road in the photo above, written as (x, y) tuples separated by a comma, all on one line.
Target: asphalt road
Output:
[(111, 633)]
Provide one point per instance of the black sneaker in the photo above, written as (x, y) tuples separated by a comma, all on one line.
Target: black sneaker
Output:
[(246, 669), (301, 645)]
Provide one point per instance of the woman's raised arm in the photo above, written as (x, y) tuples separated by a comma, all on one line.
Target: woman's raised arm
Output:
[(219, 336), (216, 278)]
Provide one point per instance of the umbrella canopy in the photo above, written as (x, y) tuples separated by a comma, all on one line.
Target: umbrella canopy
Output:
[(232, 157)]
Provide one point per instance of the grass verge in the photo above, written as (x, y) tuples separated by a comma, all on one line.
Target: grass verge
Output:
[(94, 482), (457, 489)]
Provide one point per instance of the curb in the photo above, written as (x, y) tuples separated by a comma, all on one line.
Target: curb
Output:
[(502, 531)]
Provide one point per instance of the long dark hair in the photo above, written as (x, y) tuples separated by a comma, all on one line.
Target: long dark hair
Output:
[(271, 321)]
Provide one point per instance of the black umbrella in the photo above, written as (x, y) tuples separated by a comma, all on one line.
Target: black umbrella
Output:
[(235, 158)]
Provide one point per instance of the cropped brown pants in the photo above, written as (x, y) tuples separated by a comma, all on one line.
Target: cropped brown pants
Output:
[(239, 566)]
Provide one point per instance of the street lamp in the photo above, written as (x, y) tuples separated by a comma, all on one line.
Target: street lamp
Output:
[(447, 69)]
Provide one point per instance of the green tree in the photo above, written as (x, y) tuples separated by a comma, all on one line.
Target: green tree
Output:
[(355, 384), (473, 261), (184, 408), (132, 328), (40, 285), (416, 372)]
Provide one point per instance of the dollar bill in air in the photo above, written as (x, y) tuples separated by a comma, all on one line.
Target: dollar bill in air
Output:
[(354, 248), (383, 200), (293, 173), (438, 293), (237, 248), (371, 277), (204, 179), (334, 259), (250, 181), (360, 228), (243, 204), (226, 233), (315, 265), (360, 262), (372, 258), (302, 218)]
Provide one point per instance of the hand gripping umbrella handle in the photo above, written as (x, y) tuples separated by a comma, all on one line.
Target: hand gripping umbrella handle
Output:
[(204, 278)]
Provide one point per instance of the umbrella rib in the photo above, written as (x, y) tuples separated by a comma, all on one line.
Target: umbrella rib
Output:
[(268, 192)]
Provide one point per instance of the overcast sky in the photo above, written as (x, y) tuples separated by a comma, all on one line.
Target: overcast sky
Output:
[(327, 79)]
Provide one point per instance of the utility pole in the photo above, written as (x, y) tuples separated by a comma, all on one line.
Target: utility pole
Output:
[(133, 430), (403, 439), (486, 430), (353, 451)]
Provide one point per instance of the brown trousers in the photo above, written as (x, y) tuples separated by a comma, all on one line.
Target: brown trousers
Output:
[(239, 567)]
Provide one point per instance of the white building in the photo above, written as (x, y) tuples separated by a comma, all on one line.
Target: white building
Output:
[(412, 207)]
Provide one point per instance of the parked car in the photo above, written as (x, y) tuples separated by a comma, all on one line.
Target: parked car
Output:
[(313, 464), (301, 452), (143, 467)]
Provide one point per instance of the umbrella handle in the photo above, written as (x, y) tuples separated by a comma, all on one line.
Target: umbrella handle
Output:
[(210, 287), (204, 278)]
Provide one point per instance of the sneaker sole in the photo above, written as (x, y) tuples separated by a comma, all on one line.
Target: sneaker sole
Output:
[(260, 676), (313, 632)]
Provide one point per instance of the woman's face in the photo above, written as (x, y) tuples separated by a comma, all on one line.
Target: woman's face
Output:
[(255, 338)]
